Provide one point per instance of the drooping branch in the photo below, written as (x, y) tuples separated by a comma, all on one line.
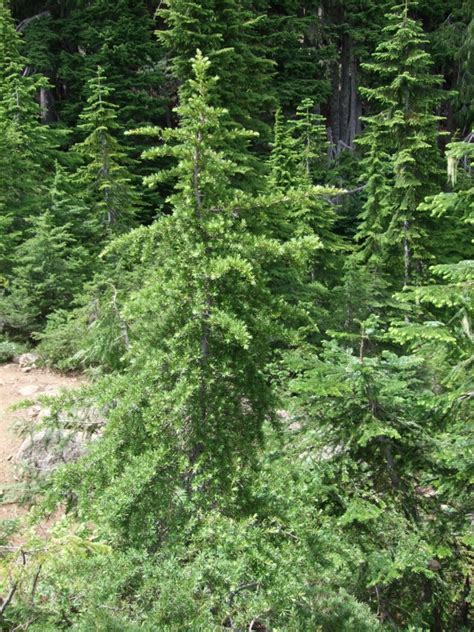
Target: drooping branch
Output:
[(27, 21)]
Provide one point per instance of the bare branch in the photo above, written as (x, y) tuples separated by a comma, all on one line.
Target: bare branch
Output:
[(8, 599)]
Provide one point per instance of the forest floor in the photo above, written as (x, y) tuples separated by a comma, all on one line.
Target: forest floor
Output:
[(16, 386)]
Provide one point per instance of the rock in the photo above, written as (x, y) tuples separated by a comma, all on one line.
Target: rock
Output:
[(33, 411), (82, 419), (434, 565), (427, 492), (28, 390), (44, 413), (47, 449), (27, 360), (295, 426)]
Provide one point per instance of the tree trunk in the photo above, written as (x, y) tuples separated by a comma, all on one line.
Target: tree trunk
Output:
[(334, 108), (353, 123), (345, 88), (48, 114)]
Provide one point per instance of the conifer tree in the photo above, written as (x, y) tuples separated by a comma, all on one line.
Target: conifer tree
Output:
[(299, 151), (104, 177), (404, 129), (296, 36), (375, 215), (48, 272), (296, 162), (26, 147), (119, 37), (50, 264), (200, 330), (227, 32), (371, 421)]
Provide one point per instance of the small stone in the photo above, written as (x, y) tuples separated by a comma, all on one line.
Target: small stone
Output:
[(427, 492), (33, 411), (434, 565), (44, 413), (295, 426)]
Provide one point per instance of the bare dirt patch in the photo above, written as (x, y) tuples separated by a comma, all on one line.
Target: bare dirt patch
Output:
[(16, 386)]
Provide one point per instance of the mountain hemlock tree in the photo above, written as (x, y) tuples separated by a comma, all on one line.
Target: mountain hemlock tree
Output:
[(372, 423), (119, 38), (273, 450), (201, 330), (296, 169), (50, 264), (227, 32), (104, 177), (26, 146), (404, 130), (296, 37), (299, 152)]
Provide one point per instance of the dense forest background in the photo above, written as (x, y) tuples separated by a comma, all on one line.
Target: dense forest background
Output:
[(249, 224)]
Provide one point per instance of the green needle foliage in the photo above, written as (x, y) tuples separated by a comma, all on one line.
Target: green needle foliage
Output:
[(104, 177), (227, 32), (51, 263), (371, 427), (403, 163), (272, 311), (200, 334), (26, 146)]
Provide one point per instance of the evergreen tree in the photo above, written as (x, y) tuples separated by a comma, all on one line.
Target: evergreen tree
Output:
[(104, 177), (201, 326), (227, 32), (369, 422), (296, 170), (280, 434), (297, 39), (119, 38), (299, 154), (443, 332), (50, 264), (405, 130), (26, 147)]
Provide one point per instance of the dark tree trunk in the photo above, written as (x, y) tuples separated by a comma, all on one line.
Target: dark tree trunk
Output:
[(345, 87), (354, 108), (334, 107)]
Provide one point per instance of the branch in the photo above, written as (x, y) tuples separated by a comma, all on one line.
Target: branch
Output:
[(122, 324), (27, 21), (240, 588), (35, 583), (335, 200), (7, 601), (285, 198)]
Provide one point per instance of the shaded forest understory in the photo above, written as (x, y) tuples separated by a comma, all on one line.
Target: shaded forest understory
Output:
[(248, 225)]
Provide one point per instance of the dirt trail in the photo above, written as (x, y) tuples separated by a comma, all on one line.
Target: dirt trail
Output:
[(15, 386)]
